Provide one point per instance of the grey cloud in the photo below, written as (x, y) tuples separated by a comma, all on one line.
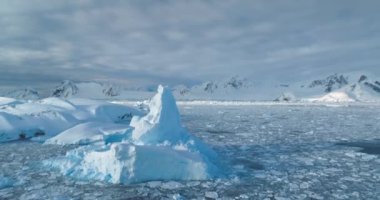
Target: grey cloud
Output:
[(148, 42)]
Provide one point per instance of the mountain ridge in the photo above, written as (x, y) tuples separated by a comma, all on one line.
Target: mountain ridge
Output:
[(334, 87)]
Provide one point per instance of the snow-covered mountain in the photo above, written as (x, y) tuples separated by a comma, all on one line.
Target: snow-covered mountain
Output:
[(227, 89), (333, 88), (85, 89), (339, 88), (364, 89), (66, 89), (27, 93), (96, 90), (330, 83), (235, 88)]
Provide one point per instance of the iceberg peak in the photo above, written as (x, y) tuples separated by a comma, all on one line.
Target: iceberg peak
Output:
[(162, 123)]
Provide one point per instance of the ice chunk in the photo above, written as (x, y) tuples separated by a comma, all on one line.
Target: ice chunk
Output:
[(177, 197), (171, 185), (127, 163), (211, 195)]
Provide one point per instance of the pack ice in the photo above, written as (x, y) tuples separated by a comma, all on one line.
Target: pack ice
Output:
[(152, 147)]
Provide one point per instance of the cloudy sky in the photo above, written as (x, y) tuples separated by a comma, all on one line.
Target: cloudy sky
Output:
[(144, 42)]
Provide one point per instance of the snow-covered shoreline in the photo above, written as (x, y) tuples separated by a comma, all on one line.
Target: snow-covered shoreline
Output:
[(253, 103)]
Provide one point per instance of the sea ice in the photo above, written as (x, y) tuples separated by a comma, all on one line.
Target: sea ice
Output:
[(5, 182), (211, 195)]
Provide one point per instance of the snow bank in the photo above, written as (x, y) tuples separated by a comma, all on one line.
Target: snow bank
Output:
[(158, 148), (333, 97)]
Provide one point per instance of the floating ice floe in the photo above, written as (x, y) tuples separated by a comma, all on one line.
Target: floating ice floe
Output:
[(156, 148)]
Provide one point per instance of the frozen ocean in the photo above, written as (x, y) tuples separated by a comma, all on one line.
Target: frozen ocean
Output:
[(268, 152)]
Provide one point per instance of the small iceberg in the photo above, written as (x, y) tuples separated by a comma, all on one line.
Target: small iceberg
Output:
[(157, 147)]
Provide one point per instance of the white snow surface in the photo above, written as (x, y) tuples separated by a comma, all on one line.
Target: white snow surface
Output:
[(90, 132), (8, 101), (48, 117), (336, 97), (153, 147)]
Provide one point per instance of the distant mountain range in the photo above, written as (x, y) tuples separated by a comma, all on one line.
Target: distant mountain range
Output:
[(27, 93), (333, 88), (96, 90), (85, 89)]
